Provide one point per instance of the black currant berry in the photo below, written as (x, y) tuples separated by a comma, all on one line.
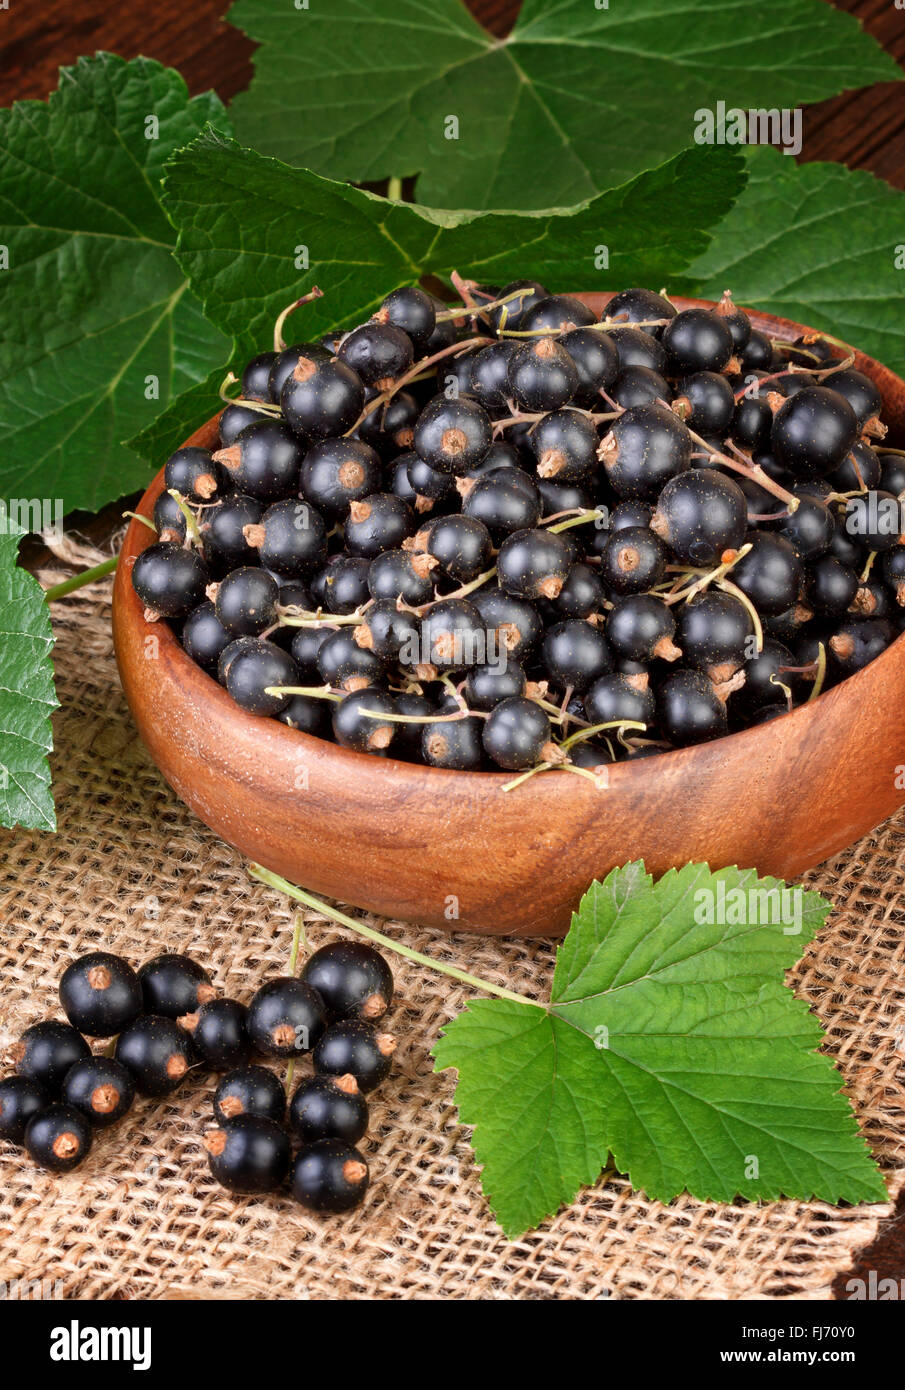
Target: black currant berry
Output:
[(100, 994), (859, 471), (285, 1018), (575, 654), (204, 637), (223, 529), (486, 686), (633, 560), (353, 980), (194, 474), (218, 1032), (428, 485), (813, 431), (565, 446), (810, 528), (233, 421), (21, 1098), (504, 501), (714, 633), (157, 1054), (377, 523), (453, 436), (596, 361), (250, 1154), (858, 642), (307, 714), (639, 386), (264, 460), (255, 671), (876, 520), (329, 1176), (534, 564), (701, 515), (46, 1051), (697, 340), (286, 361), (706, 403), (640, 627), (411, 310), (58, 1138), (169, 519), (460, 545), (830, 586), (893, 564), (690, 711), (635, 348), (511, 625), (246, 601), (395, 574), (321, 399), (352, 1047), (751, 423), (542, 375), (757, 354), (336, 472), (346, 583), (329, 1107), (580, 596), (558, 313), (646, 447), (770, 574), (892, 474), (517, 734), (765, 674), (453, 636), (101, 1088), (174, 985), (490, 374), (345, 665), (639, 306), (290, 538), (386, 629), (860, 392), (454, 744), (249, 1091), (377, 352), (616, 698), (511, 314), (169, 579), (358, 720), (255, 379)]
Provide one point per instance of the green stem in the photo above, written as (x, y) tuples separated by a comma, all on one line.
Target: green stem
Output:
[(282, 885), (394, 190), (78, 581)]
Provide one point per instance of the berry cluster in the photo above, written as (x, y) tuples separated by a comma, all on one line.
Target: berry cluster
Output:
[(511, 535), (168, 1018)]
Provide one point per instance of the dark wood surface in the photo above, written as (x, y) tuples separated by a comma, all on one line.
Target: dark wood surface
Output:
[(864, 129)]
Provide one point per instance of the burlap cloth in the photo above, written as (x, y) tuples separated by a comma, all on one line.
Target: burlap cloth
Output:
[(133, 871)]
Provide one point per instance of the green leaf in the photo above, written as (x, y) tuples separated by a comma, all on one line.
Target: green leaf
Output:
[(27, 696), (576, 99), (670, 1042), (93, 303), (817, 243), (244, 221)]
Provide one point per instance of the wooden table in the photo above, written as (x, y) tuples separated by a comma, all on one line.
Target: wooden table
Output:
[(865, 130)]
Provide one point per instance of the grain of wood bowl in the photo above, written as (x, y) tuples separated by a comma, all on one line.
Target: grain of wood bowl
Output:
[(456, 851)]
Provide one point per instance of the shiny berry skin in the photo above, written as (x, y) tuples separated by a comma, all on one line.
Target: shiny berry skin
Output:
[(810, 528), (542, 375), (453, 636), (195, 474), (20, 1099), (156, 1052), (428, 485), (250, 1154), (505, 500), (639, 386), (223, 529), (640, 627), (635, 348), (352, 978), (329, 1176), (397, 574), (411, 310), (876, 520), (101, 1088), (615, 698), (218, 1032), (254, 671), (638, 306), (168, 519), (354, 724), (453, 744), (626, 514), (285, 1018), (249, 1091), (337, 472), (575, 654), (306, 714), (706, 403), (892, 474), (689, 709), (255, 378), (762, 672), (893, 567), (860, 392), (328, 1107), (858, 642), (512, 625), (173, 985), (290, 538), (859, 471), (580, 596), (646, 447), (287, 360), (264, 461), (46, 1051), (100, 994), (697, 340), (757, 354), (233, 421), (169, 579), (345, 665), (246, 601), (516, 734), (596, 362), (558, 313), (486, 686), (460, 545), (346, 583), (511, 314), (377, 352), (634, 559), (565, 446), (58, 1138), (321, 398), (489, 379), (770, 574), (830, 586), (752, 422), (714, 633), (453, 436), (352, 1047), (701, 515), (813, 431), (534, 564), (377, 523)]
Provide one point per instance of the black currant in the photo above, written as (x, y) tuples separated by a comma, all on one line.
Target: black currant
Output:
[(757, 354), (860, 392), (346, 583), (511, 314), (321, 398), (765, 674), (453, 436), (893, 564), (195, 474), (486, 686), (358, 721), (534, 564), (173, 985), (377, 523), (830, 586), (250, 1154), (246, 601), (169, 519), (217, 1030), (504, 501), (100, 994), (565, 446), (646, 447), (428, 485), (892, 474), (285, 1018), (306, 714), (517, 734), (21, 1098), (255, 379), (579, 597), (377, 352), (101, 1088), (233, 421), (858, 642), (46, 1051), (352, 978), (454, 744), (490, 374), (453, 636), (290, 538), (352, 1047), (715, 634), (770, 573), (689, 709), (249, 1091), (752, 422), (558, 313), (635, 348), (697, 340), (542, 375), (461, 545), (616, 698), (411, 310), (395, 574), (386, 629), (640, 627), (639, 386), (813, 431), (706, 403), (701, 515), (859, 471), (633, 560), (58, 1138), (329, 1107), (223, 529), (169, 579), (810, 528), (329, 1176), (337, 472), (264, 460), (345, 665), (596, 362), (575, 654), (639, 306), (286, 362), (156, 1052), (512, 625), (876, 520)]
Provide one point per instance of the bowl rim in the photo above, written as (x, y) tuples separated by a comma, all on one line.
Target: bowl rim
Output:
[(137, 537)]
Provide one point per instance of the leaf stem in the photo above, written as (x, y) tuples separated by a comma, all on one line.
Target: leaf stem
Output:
[(282, 885), (394, 190), (78, 581)]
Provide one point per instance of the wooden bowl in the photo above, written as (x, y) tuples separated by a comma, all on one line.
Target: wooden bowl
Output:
[(452, 849)]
